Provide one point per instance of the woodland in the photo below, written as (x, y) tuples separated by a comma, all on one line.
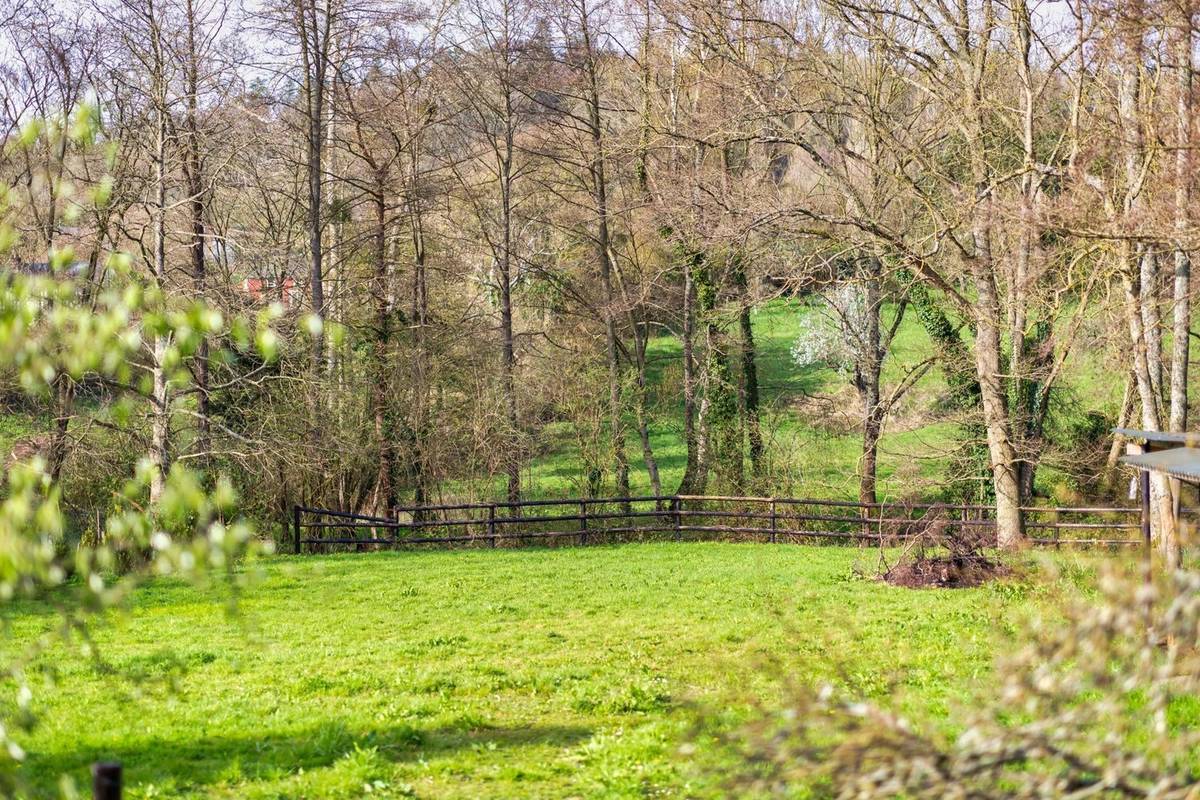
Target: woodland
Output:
[(470, 223)]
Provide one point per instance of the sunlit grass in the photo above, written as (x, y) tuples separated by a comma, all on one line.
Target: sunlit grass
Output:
[(493, 673)]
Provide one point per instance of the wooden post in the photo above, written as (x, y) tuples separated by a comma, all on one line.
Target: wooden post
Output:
[(1144, 475), (676, 506), (583, 522), (296, 529), (774, 522), (106, 780), (492, 523)]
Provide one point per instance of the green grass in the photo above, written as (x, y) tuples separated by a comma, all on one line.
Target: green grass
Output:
[(814, 449), (573, 672)]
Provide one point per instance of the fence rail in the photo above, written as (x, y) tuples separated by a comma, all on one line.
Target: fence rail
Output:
[(774, 519)]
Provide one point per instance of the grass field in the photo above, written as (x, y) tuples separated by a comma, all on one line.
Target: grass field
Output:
[(574, 672)]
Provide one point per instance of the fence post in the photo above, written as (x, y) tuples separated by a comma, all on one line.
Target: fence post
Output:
[(774, 523), (676, 507), (492, 523), (296, 529), (106, 780), (583, 528)]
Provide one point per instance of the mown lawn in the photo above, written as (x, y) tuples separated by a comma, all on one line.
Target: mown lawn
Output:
[(573, 672)]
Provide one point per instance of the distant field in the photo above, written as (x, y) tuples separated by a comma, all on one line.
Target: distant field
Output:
[(810, 420), (503, 673), (810, 425)]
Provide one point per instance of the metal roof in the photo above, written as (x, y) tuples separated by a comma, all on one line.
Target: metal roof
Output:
[(1180, 462), (1159, 437)]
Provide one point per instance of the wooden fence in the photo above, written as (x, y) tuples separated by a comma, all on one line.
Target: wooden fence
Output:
[(585, 521)]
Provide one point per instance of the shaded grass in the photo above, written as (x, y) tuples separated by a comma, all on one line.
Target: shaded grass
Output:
[(533, 673)]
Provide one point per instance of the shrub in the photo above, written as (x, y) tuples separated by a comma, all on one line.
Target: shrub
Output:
[(1099, 703)]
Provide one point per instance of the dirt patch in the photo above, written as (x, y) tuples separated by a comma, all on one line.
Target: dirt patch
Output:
[(945, 572), (938, 554)]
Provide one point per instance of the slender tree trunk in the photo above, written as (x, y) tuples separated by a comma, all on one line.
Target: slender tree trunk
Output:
[(421, 359), (866, 381), (1182, 294), (1140, 283), (1163, 526), (1152, 321), (749, 373), (691, 482), (508, 358), (603, 258), (316, 151), (1114, 451), (64, 400), (385, 481), (641, 411), (1010, 522), (160, 398), (194, 184), (1024, 387)]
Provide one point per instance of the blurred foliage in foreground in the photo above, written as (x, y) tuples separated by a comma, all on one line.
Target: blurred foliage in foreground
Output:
[(51, 327), (1101, 702)]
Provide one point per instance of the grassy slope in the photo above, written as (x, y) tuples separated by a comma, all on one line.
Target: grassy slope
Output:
[(816, 445), (816, 449), (536, 673)]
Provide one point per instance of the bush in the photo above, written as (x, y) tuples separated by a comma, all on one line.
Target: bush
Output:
[(1101, 703)]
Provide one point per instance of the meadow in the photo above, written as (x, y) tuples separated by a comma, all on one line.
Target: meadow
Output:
[(571, 672)]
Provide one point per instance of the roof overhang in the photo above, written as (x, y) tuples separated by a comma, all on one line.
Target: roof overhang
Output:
[(1179, 462), (1159, 438)]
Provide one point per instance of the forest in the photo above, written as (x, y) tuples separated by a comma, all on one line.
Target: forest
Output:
[(485, 235)]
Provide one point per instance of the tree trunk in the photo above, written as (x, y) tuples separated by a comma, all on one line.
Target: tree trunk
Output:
[(749, 373), (194, 184), (1139, 280), (316, 149), (603, 259), (691, 483), (1010, 522), (866, 381), (160, 399), (1152, 321), (1162, 519), (421, 366), (508, 358), (385, 485), (1182, 293), (641, 411)]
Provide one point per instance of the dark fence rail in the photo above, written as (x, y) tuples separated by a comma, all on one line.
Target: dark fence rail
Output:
[(773, 519)]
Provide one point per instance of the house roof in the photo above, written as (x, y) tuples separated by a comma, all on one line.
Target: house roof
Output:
[(1179, 462), (1159, 437)]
